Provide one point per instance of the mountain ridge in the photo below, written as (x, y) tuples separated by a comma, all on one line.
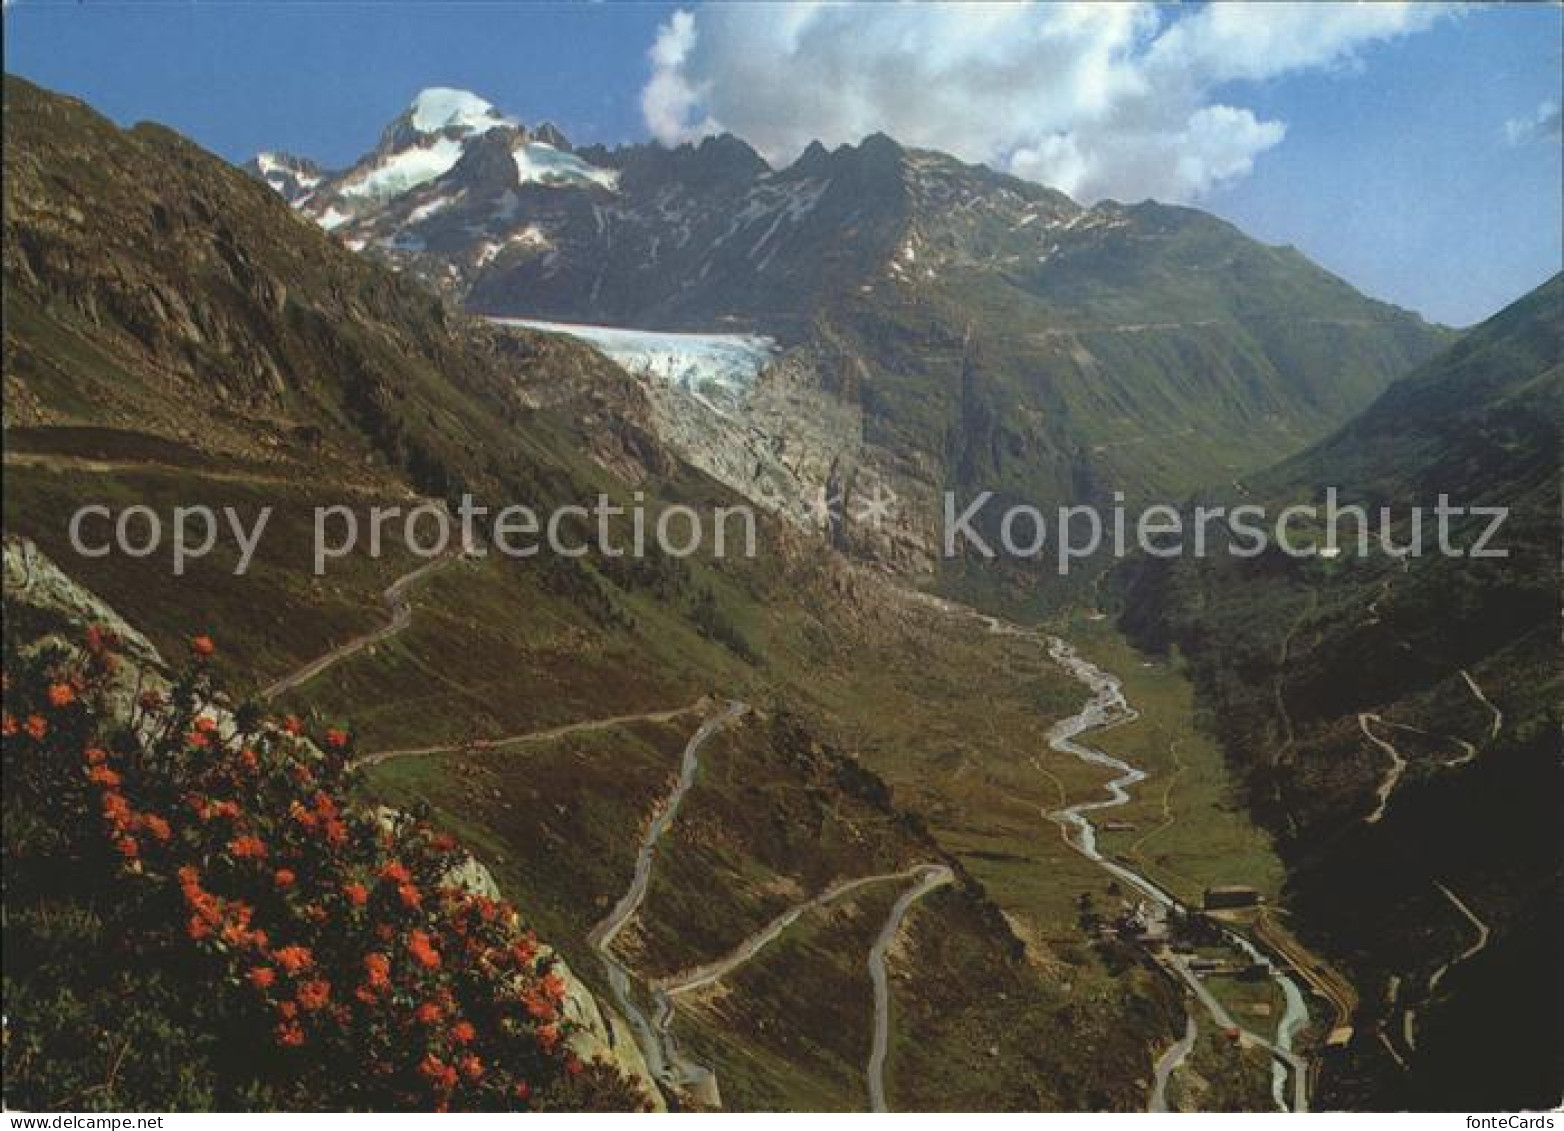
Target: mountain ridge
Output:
[(1396, 722), (976, 331), (725, 152)]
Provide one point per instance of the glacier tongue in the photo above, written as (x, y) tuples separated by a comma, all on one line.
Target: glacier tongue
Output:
[(405, 169), (702, 364)]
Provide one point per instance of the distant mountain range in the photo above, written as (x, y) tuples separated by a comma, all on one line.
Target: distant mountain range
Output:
[(969, 330)]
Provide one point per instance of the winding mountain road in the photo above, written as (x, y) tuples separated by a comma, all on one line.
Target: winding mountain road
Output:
[(1169, 1062), (1497, 722), (1468, 752), (657, 1046), (931, 877), (527, 737), (397, 603), (1409, 1015), (1398, 765), (1398, 761), (927, 876), (1479, 944), (709, 973)]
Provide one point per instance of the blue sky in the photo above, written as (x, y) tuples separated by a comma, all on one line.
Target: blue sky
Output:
[(1377, 145)]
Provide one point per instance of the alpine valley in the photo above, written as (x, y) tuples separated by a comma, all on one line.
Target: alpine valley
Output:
[(849, 823), (937, 326)]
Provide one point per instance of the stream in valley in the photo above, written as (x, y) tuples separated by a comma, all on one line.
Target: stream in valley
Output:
[(1107, 708)]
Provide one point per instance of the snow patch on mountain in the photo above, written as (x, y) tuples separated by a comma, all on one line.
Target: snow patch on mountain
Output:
[(430, 208), (531, 236), (538, 161), (292, 178), (406, 169), (279, 165)]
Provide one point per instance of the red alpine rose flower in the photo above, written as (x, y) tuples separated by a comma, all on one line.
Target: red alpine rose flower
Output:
[(419, 946), (247, 848), (314, 994), (294, 958), (290, 1034)]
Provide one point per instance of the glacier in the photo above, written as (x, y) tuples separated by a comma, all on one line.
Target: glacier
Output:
[(709, 366), (405, 169), (539, 161)]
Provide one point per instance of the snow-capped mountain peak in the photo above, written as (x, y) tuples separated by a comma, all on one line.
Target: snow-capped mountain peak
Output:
[(449, 146), (294, 178), (441, 108)]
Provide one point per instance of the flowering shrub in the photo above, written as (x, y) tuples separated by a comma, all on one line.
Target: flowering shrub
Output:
[(328, 946)]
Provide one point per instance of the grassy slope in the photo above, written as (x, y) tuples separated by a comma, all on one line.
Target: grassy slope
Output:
[(1325, 640), (1192, 830), (748, 1024)]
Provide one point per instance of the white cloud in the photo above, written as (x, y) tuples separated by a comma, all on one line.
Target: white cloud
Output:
[(1222, 42), (669, 99), (1096, 99), (1542, 124)]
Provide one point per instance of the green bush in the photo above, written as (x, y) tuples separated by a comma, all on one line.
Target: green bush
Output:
[(197, 916)]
